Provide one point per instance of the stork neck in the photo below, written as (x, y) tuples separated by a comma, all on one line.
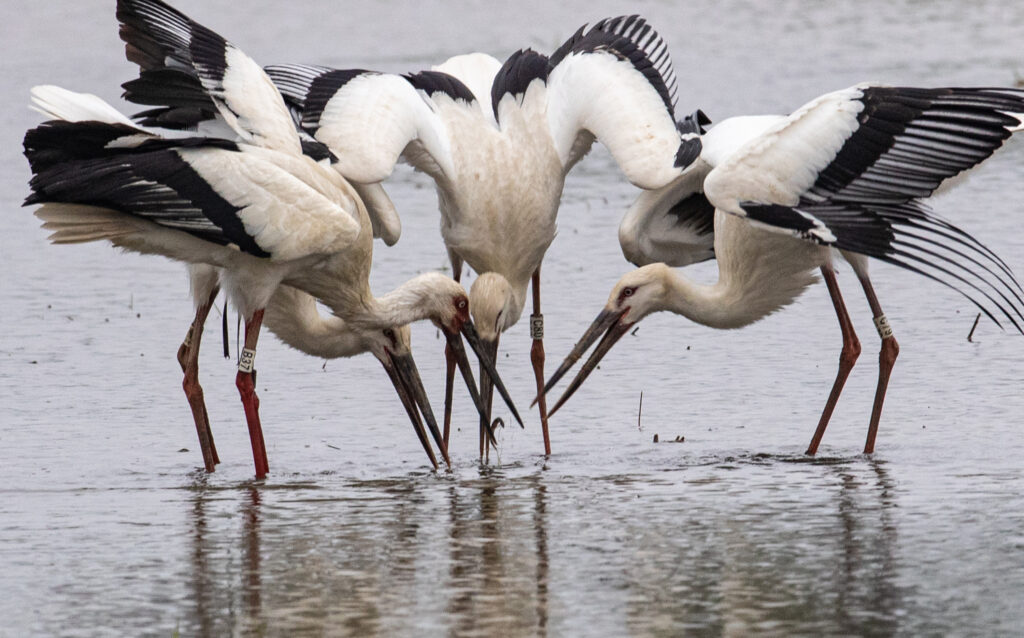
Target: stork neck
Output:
[(703, 304), (741, 296), (294, 317), (412, 301)]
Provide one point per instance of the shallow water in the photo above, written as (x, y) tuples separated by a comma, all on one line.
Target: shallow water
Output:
[(108, 527)]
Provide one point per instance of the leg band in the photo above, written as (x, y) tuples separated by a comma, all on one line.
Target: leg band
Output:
[(537, 327), (246, 360), (882, 324)]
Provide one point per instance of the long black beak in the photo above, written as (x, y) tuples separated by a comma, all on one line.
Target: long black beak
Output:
[(411, 410), (611, 324), (459, 351), (469, 330), (490, 348), (604, 319), (405, 367)]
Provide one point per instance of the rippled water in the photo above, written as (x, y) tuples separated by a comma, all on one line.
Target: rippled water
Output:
[(107, 527)]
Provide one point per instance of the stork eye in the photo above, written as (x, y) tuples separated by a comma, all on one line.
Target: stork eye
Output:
[(462, 304), (390, 334), (628, 292)]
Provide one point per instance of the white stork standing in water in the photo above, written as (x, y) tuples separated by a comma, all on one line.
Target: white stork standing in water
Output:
[(499, 149), (261, 210), (848, 171)]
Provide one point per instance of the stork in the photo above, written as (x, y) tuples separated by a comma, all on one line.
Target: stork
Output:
[(260, 209), (499, 148), (847, 172)]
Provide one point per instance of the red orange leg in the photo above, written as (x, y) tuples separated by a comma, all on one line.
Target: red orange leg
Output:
[(188, 358), (246, 383), (886, 360), (537, 359), (847, 357)]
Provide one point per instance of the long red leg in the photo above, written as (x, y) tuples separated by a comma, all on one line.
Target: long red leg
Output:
[(886, 360), (537, 358), (246, 382), (188, 358), (847, 357), (449, 380)]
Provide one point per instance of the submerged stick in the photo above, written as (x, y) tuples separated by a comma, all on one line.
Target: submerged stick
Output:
[(640, 411), (971, 334)]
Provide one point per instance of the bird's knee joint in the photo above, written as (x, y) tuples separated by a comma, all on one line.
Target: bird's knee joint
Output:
[(890, 350), (245, 382), (191, 386)]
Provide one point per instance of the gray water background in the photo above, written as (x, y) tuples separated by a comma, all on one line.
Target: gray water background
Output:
[(109, 527)]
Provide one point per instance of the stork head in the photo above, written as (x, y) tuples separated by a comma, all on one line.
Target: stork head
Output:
[(448, 307), (640, 292), (636, 295), (492, 305)]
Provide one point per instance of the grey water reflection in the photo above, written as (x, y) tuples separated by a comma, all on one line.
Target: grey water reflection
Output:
[(828, 567), (498, 572), (225, 595), (372, 566), (474, 555)]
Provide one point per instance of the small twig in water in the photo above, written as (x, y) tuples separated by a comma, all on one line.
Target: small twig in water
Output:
[(640, 411), (971, 334)]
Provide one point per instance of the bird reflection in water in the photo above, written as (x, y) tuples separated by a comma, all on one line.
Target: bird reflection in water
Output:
[(498, 583), (214, 581), (868, 543), (815, 564), (251, 581)]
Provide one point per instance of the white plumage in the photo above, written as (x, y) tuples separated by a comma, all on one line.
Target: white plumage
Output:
[(499, 139), (847, 171), (264, 215)]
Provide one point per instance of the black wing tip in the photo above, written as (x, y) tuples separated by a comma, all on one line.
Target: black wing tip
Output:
[(689, 151), (696, 122), (432, 82), (151, 181), (322, 83), (804, 225), (515, 75), (631, 38), (317, 151)]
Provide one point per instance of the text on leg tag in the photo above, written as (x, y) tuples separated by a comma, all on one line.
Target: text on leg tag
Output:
[(537, 327), (246, 360), (884, 329)]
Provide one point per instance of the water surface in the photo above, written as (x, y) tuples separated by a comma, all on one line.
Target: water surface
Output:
[(108, 527)]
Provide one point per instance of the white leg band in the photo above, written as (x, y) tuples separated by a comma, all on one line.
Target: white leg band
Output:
[(537, 327), (882, 324), (187, 343), (246, 360)]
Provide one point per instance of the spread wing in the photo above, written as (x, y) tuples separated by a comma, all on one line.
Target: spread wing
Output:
[(173, 51), (370, 119), (850, 169), (613, 82)]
